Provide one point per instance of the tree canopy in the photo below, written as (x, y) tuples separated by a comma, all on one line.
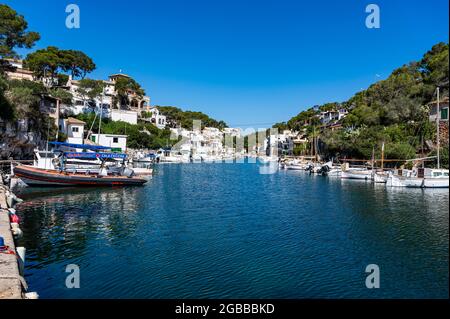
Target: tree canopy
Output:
[(123, 86), (13, 33), (50, 61), (175, 116)]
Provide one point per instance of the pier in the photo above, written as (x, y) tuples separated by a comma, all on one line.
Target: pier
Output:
[(11, 281)]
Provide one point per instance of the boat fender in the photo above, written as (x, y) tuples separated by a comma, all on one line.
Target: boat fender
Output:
[(17, 232), (13, 218), (31, 295)]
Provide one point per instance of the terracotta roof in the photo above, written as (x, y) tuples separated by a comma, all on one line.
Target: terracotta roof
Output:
[(443, 100), (72, 120)]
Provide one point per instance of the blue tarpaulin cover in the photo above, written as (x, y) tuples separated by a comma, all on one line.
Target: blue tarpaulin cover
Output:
[(83, 146)]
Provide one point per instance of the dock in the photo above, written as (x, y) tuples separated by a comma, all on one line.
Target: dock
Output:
[(11, 282)]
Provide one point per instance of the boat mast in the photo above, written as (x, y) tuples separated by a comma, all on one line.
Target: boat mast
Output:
[(437, 129), (101, 112), (382, 156)]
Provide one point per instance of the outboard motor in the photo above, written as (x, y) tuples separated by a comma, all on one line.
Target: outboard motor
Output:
[(127, 172), (324, 170)]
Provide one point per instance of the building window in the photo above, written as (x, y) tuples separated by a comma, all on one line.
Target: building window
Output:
[(115, 140), (93, 139), (444, 114), (75, 129)]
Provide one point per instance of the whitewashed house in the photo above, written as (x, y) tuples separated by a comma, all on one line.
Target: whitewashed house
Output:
[(332, 116), (117, 143), (82, 104), (73, 129), (157, 118)]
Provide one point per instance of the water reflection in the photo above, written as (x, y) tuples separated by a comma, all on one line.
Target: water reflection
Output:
[(64, 221), (227, 231)]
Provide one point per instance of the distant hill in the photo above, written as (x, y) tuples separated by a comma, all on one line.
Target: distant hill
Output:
[(393, 111)]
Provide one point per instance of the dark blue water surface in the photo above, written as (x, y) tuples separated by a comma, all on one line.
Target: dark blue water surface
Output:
[(227, 231)]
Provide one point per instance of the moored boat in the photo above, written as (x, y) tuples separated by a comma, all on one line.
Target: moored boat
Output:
[(364, 174), (33, 176)]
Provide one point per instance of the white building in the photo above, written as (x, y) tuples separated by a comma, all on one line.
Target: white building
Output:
[(157, 118), (232, 131), (124, 116), (332, 116), (117, 143), (280, 144), (73, 129), (82, 104)]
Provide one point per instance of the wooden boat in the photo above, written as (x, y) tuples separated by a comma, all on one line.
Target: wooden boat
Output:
[(357, 174), (422, 177), (33, 176)]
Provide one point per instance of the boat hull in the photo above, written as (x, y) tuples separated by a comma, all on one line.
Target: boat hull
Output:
[(400, 181), (41, 177), (356, 175), (435, 182)]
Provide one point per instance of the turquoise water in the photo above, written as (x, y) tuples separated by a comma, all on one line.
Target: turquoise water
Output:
[(226, 231)]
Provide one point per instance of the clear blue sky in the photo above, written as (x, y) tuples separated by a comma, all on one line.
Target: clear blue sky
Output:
[(246, 62)]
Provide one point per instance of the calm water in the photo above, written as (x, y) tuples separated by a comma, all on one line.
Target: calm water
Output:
[(226, 231)]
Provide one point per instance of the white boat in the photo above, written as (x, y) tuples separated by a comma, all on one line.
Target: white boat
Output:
[(380, 177), (335, 172), (422, 177), (436, 178), (357, 173), (267, 159), (403, 181), (295, 165)]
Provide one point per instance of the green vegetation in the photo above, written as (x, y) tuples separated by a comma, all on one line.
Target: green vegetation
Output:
[(13, 33), (176, 116), (393, 111), (123, 86), (141, 135), (51, 61)]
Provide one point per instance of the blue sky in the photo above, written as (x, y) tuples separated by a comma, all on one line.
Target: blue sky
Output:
[(250, 63)]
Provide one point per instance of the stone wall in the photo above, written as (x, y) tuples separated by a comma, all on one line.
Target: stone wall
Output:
[(18, 140)]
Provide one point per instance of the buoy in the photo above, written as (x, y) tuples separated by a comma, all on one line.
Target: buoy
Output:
[(17, 232), (13, 218), (21, 253), (31, 295)]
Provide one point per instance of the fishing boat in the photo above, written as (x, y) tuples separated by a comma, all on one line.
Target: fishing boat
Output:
[(380, 177), (295, 165), (436, 178), (357, 173), (57, 168), (419, 178), (33, 176), (144, 158)]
